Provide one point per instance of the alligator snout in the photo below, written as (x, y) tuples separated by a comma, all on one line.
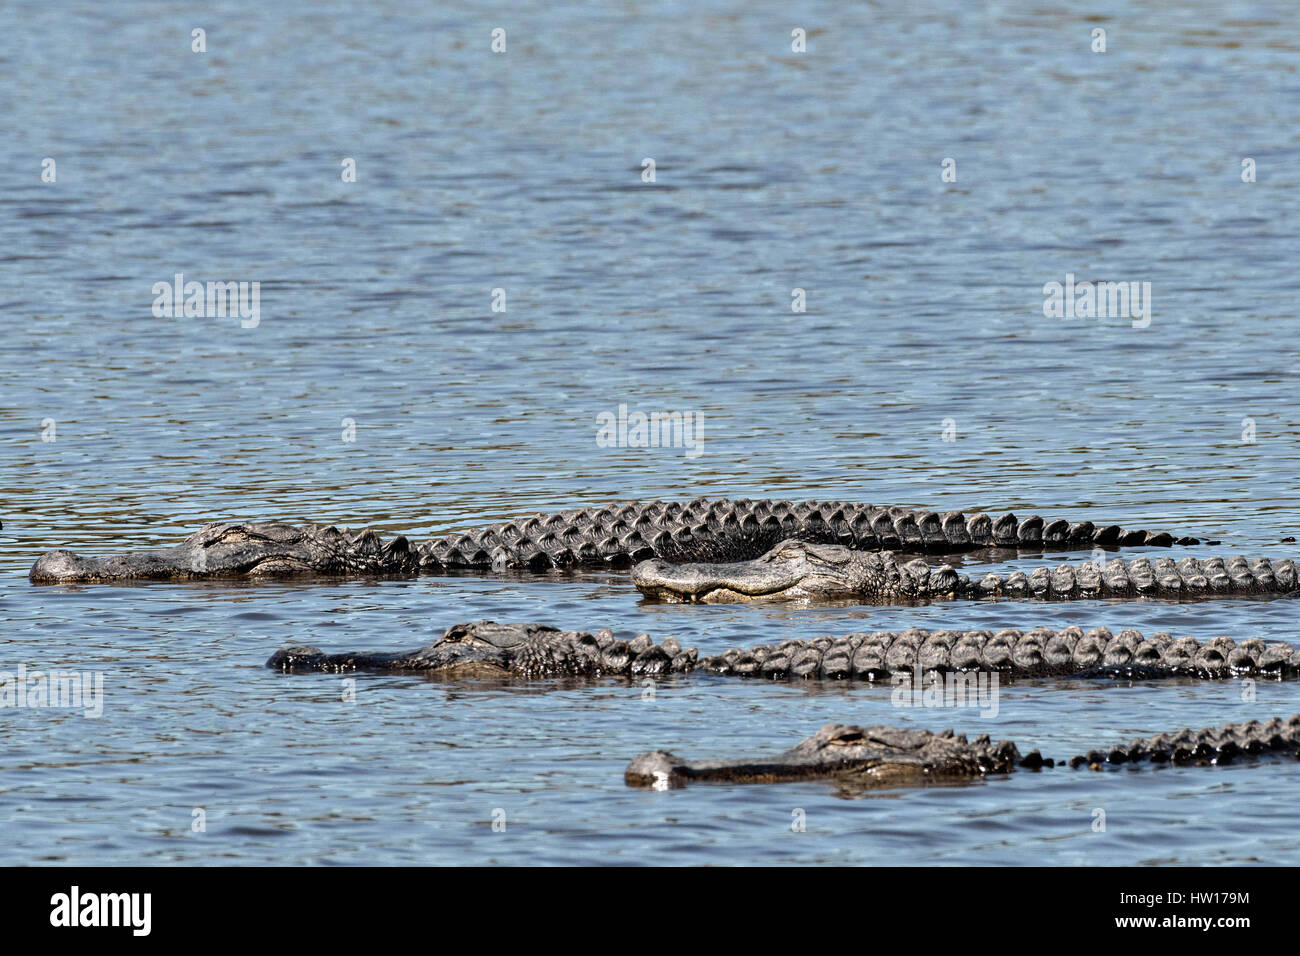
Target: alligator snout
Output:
[(62, 566), (298, 657), (658, 769)]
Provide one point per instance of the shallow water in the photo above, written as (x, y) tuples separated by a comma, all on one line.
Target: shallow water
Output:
[(522, 171)]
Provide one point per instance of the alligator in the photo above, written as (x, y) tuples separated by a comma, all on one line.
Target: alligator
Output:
[(711, 551), (489, 649), (870, 757), (616, 536), (721, 550), (803, 570)]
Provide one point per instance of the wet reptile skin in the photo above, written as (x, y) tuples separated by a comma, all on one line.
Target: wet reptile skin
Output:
[(869, 757), (617, 535), (485, 648)]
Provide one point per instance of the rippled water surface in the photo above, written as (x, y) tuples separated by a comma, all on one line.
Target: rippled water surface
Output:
[(523, 171)]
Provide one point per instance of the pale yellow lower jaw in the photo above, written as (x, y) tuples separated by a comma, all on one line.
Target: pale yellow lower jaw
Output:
[(279, 566), (728, 596)]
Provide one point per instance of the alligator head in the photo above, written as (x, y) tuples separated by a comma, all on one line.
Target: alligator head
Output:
[(484, 649), (236, 550), (792, 569), (862, 756), (488, 649)]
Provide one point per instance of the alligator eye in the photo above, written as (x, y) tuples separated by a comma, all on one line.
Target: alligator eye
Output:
[(848, 737)]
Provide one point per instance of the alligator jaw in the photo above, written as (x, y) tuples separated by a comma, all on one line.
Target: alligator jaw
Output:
[(713, 583), (792, 569)]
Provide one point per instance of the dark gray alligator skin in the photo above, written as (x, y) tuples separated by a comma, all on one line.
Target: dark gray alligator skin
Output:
[(723, 529), (485, 648), (866, 757), (614, 536), (806, 571), (862, 756)]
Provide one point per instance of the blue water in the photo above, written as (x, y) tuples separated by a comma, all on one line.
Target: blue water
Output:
[(523, 171)]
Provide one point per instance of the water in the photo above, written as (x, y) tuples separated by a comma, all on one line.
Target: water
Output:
[(522, 171)]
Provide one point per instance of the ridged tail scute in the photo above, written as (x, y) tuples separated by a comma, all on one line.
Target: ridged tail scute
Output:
[(1041, 652), (1276, 737), (722, 530), (1162, 577)]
